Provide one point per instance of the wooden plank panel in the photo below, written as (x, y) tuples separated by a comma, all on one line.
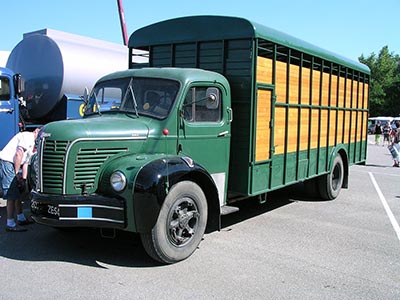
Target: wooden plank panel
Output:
[(334, 80), (293, 129), (314, 128), (341, 92), (332, 131), (263, 133), (304, 128), (325, 89), (279, 130), (346, 126), (264, 70), (354, 126), (348, 92), (280, 85), (316, 80), (294, 84), (305, 86), (366, 91), (339, 128), (355, 94), (364, 125), (324, 128)]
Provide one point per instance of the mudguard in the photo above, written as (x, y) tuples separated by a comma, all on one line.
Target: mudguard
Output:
[(154, 180)]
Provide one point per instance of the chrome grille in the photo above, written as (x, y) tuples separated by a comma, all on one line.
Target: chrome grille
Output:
[(53, 161), (88, 162)]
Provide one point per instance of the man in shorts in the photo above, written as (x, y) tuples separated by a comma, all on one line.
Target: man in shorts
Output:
[(14, 159)]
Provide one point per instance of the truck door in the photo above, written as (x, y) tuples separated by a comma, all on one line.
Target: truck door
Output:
[(8, 111), (204, 132)]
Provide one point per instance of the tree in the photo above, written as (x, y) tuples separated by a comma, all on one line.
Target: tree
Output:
[(385, 82)]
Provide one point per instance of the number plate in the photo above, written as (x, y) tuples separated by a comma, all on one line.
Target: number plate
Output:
[(53, 210)]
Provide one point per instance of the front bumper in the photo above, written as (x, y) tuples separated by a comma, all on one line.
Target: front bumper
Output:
[(78, 211)]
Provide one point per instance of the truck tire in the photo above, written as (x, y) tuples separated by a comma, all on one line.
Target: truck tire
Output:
[(331, 183), (180, 225)]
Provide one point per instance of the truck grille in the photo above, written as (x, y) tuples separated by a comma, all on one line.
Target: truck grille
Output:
[(53, 161), (86, 162)]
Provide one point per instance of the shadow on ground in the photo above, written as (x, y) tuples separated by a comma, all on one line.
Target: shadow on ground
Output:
[(86, 246)]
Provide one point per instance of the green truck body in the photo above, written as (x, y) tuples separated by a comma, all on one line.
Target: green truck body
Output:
[(240, 110)]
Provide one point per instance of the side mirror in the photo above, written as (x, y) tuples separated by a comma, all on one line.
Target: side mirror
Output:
[(213, 98), (18, 84), (86, 95)]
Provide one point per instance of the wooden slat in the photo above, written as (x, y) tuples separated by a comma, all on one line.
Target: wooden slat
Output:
[(263, 132), (281, 81), (316, 80), (264, 70), (325, 89), (279, 130), (305, 86), (304, 128), (292, 130), (294, 84)]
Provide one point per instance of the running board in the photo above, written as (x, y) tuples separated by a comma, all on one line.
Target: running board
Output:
[(226, 210)]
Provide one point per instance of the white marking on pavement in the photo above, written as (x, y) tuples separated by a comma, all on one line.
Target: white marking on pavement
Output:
[(392, 219)]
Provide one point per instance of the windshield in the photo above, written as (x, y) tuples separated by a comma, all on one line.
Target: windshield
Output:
[(152, 97)]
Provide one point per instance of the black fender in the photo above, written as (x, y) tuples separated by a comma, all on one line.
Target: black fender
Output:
[(153, 182)]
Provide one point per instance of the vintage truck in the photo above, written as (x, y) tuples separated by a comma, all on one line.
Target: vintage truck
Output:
[(224, 110)]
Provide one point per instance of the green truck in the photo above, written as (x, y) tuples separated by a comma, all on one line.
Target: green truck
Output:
[(224, 110)]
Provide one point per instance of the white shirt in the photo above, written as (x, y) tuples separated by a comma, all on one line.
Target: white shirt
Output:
[(25, 140)]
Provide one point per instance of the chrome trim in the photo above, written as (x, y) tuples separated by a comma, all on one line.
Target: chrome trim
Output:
[(91, 205), (90, 219)]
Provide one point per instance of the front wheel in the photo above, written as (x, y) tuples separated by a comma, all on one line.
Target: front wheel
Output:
[(331, 183), (180, 225)]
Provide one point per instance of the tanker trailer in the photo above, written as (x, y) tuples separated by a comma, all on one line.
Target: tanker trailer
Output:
[(57, 66)]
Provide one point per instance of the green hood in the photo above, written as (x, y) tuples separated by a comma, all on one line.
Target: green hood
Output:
[(100, 126)]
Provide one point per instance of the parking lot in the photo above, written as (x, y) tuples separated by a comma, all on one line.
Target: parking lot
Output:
[(290, 247)]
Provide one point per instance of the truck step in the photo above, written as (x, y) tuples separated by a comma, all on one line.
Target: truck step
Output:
[(226, 210)]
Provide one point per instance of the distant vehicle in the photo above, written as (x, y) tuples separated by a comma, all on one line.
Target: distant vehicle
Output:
[(372, 122)]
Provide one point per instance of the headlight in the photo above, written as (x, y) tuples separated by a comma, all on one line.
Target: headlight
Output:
[(118, 181)]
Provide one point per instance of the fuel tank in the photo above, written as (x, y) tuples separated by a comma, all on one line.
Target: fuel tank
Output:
[(54, 63)]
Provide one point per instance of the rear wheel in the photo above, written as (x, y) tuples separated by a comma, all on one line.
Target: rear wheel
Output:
[(331, 183), (180, 225)]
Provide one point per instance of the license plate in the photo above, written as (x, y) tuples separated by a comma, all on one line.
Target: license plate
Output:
[(53, 210)]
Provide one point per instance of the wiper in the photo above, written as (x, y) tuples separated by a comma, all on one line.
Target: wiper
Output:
[(97, 103), (134, 100), (130, 89)]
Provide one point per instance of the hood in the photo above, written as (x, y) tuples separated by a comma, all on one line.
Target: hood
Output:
[(99, 126)]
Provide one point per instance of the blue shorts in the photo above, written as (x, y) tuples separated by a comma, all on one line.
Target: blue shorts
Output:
[(8, 181)]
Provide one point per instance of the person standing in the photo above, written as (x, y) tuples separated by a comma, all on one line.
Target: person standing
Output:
[(14, 159), (378, 132)]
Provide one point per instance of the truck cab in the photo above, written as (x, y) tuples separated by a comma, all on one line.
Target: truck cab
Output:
[(10, 88), (151, 155)]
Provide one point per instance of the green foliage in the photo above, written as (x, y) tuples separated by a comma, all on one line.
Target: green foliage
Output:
[(385, 82)]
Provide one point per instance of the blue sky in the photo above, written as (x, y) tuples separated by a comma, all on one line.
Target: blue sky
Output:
[(347, 27)]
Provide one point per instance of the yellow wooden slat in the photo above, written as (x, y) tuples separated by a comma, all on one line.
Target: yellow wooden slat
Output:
[(263, 132), (279, 130), (280, 85), (304, 128), (264, 70), (294, 84)]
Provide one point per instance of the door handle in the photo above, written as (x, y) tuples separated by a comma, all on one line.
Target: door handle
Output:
[(7, 110), (223, 133)]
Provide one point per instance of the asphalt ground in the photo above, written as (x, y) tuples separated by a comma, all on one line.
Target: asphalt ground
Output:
[(291, 247)]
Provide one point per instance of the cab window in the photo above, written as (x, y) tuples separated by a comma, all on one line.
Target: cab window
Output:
[(200, 107)]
